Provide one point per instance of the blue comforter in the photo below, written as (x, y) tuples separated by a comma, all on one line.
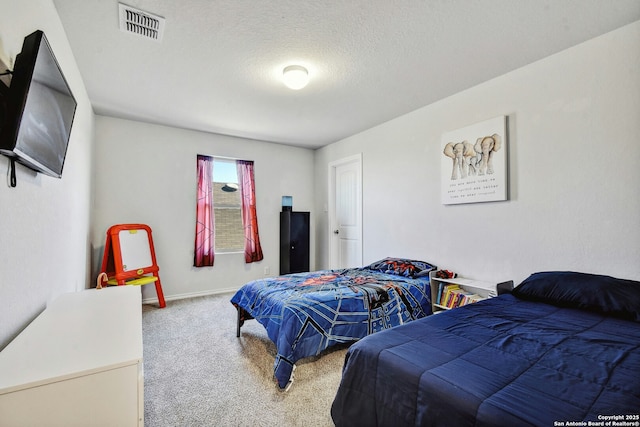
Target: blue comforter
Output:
[(306, 313), (500, 362)]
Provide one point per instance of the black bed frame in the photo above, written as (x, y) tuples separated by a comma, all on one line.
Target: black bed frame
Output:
[(242, 316)]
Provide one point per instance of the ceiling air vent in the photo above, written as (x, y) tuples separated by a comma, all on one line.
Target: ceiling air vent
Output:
[(139, 22)]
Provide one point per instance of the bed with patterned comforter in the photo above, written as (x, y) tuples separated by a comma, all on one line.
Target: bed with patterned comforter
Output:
[(305, 313)]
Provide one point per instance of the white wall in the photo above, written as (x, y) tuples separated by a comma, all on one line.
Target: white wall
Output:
[(574, 172), (147, 174), (44, 227)]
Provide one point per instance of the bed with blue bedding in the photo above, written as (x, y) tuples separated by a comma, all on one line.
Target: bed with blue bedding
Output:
[(562, 349), (305, 313)]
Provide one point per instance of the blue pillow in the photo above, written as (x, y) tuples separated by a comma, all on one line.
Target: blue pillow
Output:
[(602, 294), (402, 267)]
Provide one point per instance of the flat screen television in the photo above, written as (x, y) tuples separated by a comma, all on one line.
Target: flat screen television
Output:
[(39, 109)]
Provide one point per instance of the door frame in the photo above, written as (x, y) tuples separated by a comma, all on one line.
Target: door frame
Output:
[(331, 224)]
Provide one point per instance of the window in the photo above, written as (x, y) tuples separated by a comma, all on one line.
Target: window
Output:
[(226, 201), (227, 207)]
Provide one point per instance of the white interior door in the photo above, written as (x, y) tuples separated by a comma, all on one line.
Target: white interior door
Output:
[(345, 212)]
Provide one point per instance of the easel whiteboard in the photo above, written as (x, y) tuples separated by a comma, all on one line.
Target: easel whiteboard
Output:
[(135, 249)]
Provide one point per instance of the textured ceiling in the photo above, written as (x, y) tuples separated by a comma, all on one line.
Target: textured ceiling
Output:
[(219, 64)]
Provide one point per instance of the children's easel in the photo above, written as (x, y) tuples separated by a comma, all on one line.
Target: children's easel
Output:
[(130, 259)]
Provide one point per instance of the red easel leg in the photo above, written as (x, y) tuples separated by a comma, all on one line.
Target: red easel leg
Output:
[(160, 294)]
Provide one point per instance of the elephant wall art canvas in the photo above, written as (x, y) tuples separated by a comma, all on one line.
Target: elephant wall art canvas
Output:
[(474, 163)]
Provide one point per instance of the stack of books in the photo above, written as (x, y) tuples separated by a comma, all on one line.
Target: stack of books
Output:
[(452, 296)]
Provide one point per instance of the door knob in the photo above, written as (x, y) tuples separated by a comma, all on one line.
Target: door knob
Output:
[(336, 231)]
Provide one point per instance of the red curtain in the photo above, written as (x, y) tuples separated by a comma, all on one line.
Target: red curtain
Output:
[(252, 248), (205, 235)]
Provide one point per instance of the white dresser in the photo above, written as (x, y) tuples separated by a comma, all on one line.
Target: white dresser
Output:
[(79, 363)]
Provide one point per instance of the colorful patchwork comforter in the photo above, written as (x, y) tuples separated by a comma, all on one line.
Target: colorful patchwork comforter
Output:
[(306, 313)]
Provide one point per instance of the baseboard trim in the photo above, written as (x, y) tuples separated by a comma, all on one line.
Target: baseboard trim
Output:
[(189, 295)]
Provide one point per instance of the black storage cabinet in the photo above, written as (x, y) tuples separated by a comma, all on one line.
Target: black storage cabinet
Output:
[(294, 242)]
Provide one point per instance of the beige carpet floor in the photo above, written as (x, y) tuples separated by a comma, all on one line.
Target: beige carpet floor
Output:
[(198, 373)]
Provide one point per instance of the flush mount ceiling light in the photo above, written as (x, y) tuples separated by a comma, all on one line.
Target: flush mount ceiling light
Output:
[(295, 77)]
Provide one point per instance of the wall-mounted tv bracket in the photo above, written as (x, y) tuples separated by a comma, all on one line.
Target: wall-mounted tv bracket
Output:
[(5, 75), (5, 81)]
